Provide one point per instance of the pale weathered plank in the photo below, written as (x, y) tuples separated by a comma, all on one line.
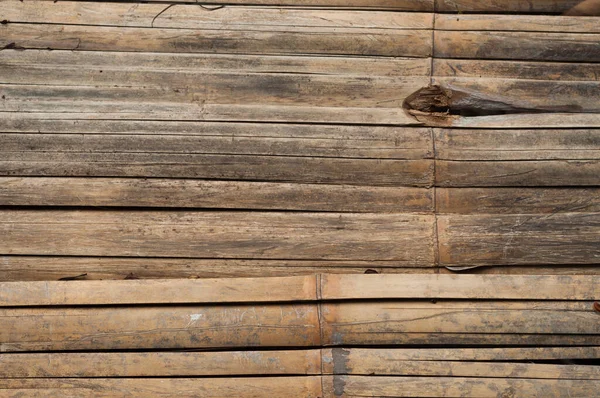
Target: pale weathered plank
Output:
[(540, 323), (191, 16), (157, 364), (148, 327), (361, 386), (481, 287), (523, 270), (205, 194), (518, 239), (330, 41), (170, 291), (519, 23), (541, 120), (538, 46), (252, 387), (392, 362), (402, 238), (33, 65), (517, 200), (471, 158), (390, 355), (43, 268), (207, 158), (502, 69), (506, 6)]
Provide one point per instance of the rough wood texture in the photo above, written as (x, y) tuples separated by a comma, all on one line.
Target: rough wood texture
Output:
[(526, 239), (194, 17), (505, 6), (148, 327), (202, 194), (392, 362), (517, 200), (157, 364), (177, 291), (471, 158), (52, 268), (519, 323), (360, 386), (403, 238), (254, 387), (349, 287)]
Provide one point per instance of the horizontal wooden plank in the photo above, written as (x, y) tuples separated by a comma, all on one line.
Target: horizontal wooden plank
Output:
[(400, 5), (523, 270), (184, 193), (283, 40), (506, 6), (191, 16), (517, 157), (389, 362), (527, 239), (517, 200), (539, 46), (540, 323), (525, 120), (542, 71), (252, 387), (170, 291), (518, 23), (388, 356), (360, 386), (39, 63), (401, 238), (157, 364), (124, 156), (231, 139), (481, 287), (44, 268), (533, 96), (148, 327)]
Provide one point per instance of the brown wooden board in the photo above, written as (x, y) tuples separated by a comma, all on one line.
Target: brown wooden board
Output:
[(402, 238), (505, 6)]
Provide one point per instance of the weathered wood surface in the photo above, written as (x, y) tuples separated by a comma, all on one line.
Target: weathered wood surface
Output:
[(194, 17), (281, 153), (392, 362), (472, 158), (505, 6), (175, 291), (296, 289), (525, 239), (349, 287), (152, 327), (252, 387), (360, 386), (157, 364), (52, 268), (502, 200), (402, 238), (518, 323)]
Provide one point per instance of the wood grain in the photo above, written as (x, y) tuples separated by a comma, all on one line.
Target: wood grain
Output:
[(52, 268), (206, 194), (149, 327), (518, 239), (517, 200), (358, 386), (479, 287), (253, 387), (157, 364), (329, 41), (539, 323), (505, 6), (471, 158), (174, 291), (403, 238)]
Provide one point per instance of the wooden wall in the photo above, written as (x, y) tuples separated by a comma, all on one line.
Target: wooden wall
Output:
[(175, 142)]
